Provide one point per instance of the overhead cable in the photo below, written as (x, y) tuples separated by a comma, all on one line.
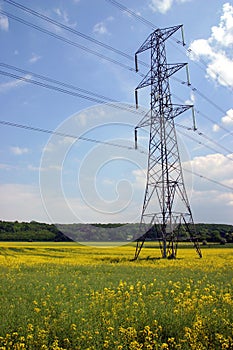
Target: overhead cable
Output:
[(106, 46), (47, 131), (104, 99), (31, 128), (68, 41), (27, 79), (59, 24), (151, 25)]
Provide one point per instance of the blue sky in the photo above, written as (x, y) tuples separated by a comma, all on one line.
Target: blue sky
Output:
[(57, 179)]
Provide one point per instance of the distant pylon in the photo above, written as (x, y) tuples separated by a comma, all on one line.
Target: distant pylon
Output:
[(166, 210)]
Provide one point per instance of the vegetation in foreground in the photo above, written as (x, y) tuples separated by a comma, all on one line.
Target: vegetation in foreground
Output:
[(67, 296)]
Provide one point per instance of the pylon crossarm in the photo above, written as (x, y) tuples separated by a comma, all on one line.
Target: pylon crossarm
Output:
[(179, 109), (145, 121), (145, 46), (173, 68), (165, 33), (146, 81)]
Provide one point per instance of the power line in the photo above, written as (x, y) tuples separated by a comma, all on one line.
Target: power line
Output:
[(228, 157), (75, 94), (133, 14), (208, 179), (72, 30), (128, 108), (47, 131), (88, 92), (97, 42), (197, 130), (94, 52), (26, 79), (151, 25), (197, 91), (70, 42), (56, 88), (196, 111), (7, 66), (213, 122)]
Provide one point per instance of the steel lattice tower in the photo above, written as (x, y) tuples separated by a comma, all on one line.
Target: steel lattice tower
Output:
[(166, 210)]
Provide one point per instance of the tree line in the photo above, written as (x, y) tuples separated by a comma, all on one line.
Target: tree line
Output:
[(36, 231)]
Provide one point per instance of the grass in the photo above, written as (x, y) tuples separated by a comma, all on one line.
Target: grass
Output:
[(68, 296)]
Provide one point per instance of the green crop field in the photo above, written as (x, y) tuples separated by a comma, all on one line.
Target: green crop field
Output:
[(69, 296)]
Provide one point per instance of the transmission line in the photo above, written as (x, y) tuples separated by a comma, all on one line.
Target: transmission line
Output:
[(228, 157), (72, 30), (4, 65), (91, 51), (197, 130), (208, 179), (97, 42), (47, 131), (124, 107), (94, 99), (45, 78), (153, 27), (62, 38)]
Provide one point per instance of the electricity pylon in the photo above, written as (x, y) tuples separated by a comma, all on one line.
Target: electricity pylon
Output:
[(166, 211)]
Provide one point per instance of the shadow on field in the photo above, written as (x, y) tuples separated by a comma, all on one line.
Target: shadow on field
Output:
[(115, 260)]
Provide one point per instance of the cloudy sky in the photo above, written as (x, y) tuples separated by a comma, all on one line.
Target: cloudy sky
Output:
[(56, 178)]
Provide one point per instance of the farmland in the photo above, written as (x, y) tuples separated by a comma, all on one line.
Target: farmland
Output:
[(69, 296)]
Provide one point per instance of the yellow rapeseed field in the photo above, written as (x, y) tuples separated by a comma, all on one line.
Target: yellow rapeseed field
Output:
[(68, 296)]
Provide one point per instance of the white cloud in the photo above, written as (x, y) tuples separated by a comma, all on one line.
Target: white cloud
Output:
[(226, 121), (64, 17), (100, 28), (220, 69), (4, 87), (210, 201), (9, 85), (161, 6), (228, 118), (200, 47), (217, 49), (18, 151), (21, 202), (191, 100), (223, 34), (140, 178), (128, 14), (164, 6), (216, 167), (34, 58), (4, 23), (215, 128)]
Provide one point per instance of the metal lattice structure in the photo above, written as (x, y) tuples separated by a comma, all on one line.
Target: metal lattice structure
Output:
[(166, 210)]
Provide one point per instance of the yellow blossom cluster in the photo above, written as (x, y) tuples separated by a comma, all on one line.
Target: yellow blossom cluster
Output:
[(70, 297)]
